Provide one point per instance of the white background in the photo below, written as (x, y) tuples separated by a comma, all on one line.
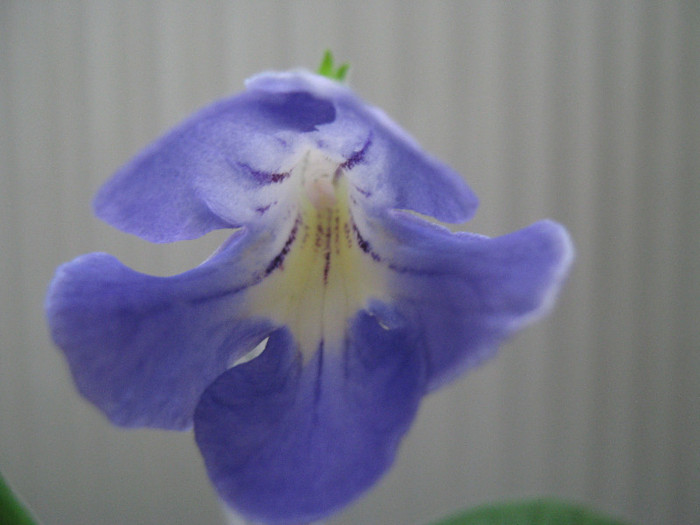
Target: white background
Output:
[(585, 112)]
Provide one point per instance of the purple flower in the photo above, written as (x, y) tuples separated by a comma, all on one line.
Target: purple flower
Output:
[(363, 306)]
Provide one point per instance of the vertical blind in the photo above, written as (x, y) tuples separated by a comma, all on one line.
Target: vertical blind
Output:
[(586, 112)]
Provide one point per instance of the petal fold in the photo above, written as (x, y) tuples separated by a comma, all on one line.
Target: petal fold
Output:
[(286, 443)]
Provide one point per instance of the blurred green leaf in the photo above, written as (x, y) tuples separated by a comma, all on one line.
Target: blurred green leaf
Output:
[(12, 511), (529, 512)]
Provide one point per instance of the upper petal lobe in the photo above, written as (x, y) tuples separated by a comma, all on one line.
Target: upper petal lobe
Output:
[(221, 168), (229, 164), (388, 166)]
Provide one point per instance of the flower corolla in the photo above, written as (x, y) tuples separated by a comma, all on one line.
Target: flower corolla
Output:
[(362, 305)]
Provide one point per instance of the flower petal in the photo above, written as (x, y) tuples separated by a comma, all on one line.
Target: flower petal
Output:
[(385, 163), (223, 167), (393, 172), (286, 443), (143, 348), (229, 164), (463, 293)]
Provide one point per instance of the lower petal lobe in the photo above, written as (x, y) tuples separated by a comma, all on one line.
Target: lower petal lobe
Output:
[(143, 348), (288, 443), (463, 294)]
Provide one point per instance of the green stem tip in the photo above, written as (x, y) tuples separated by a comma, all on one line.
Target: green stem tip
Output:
[(328, 68)]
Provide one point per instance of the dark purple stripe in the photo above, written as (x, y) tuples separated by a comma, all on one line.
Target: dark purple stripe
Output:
[(279, 259), (358, 156), (363, 243), (265, 177)]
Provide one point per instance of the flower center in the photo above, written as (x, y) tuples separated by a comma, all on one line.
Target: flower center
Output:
[(327, 270), (319, 179)]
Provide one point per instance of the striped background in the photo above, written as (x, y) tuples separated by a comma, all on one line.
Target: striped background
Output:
[(586, 112)]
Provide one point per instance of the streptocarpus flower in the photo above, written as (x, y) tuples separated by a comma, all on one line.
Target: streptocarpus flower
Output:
[(363, 306)]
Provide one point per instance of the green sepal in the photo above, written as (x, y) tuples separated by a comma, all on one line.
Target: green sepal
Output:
[(12, 511), (328, 69), (529, 512)]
